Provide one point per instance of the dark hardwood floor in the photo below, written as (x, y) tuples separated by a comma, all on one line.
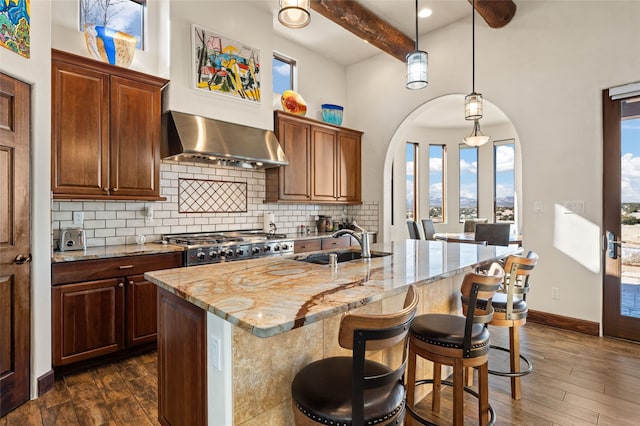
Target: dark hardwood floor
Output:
[(577, 380)]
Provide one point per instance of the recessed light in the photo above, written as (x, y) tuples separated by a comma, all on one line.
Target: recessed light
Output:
[(425, 12)]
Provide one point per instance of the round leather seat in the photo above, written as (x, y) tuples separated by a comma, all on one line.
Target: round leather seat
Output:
[(324, 386), (500, 301), (448, 331)]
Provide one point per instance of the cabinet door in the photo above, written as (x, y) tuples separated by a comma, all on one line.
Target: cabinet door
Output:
[(80, 131), (349, 167), (323, 164), (141, 310), (135, 138), (294, 180), (88, 320)]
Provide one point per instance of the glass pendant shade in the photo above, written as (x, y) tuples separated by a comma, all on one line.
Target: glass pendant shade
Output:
[(473, 106), (476, 138), (417, 69), (294, 13)]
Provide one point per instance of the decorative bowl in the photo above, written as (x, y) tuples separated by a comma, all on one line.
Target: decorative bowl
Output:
[(292, 102), (332, 114), (109, 45)]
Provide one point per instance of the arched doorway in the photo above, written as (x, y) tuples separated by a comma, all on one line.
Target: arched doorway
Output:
[(440, 123)]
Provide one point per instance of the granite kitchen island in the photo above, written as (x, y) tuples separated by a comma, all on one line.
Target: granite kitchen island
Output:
[(231, 336)]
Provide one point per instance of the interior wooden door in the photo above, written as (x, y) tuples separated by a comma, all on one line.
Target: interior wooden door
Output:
[(15, 248), (621, 217)]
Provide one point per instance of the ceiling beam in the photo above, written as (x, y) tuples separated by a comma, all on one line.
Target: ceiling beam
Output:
[(365, 24), (362, 22), (496, 13)]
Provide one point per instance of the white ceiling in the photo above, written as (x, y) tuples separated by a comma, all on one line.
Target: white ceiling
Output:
[(332, 41)]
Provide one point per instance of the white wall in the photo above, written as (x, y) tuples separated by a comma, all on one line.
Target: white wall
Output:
[(37, 72), (545, 71)]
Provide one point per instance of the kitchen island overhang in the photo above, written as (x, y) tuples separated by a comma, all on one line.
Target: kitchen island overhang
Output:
[(267, 318)]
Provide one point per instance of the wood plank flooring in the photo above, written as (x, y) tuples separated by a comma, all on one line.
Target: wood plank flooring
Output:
[(577, 380)]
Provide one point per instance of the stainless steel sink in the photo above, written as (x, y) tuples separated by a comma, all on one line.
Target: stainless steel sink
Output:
[(342, 256)]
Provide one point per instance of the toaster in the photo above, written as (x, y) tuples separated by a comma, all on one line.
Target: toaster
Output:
[(72, 239)]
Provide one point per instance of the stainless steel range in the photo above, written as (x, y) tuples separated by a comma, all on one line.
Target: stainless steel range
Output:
[(215, 247)]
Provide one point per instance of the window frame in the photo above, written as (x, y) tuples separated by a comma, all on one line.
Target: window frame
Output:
[(416, 179), (443, 148), (461, 147), (496, 145), (293, 64)]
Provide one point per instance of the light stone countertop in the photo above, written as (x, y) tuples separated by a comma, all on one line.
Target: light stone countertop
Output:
[(271, 295), (106, 252)]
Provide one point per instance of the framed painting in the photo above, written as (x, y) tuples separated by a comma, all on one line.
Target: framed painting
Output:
[(225, 66), (15, 26)]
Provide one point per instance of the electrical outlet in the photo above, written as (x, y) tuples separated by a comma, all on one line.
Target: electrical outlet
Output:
[(78, 218), (555, 293), (214, 353)]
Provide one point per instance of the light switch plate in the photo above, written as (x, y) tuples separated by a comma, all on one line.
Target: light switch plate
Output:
[(538, 207)]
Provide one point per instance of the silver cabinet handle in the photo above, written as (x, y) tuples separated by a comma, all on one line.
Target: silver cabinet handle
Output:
[(120, 285), (125, 267)]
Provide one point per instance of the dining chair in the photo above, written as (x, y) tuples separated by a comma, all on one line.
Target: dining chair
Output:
[(429, 229), (470, 224), (495, 234), (414, 230), (356, 390)]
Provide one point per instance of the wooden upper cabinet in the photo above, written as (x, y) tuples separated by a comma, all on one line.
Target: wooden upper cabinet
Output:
[(349, 167), (105, 130), (80, 130), (324, 163)]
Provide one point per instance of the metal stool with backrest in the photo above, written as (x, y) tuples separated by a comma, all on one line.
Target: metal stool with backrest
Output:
[(495, 234), (429, 229), (510, 308), (356, 390), (457, 341), (470, 224), (414, 230)]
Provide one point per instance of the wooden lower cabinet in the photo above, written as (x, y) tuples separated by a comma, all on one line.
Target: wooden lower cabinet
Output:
[(102, 307), (87, 320), (182, 364)]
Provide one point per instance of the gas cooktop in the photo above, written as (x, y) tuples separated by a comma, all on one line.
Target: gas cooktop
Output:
[(215, 247)]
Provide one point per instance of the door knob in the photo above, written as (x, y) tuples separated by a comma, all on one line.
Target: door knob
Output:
[(20, 259)]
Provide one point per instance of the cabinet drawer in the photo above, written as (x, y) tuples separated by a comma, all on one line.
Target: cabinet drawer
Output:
[(307, 245), (341, 242), (87, 270)]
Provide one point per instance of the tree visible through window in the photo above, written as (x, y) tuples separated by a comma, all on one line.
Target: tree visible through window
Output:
[(504, 173), (122, 15), (468, 182), (283, 73), (436, 182)]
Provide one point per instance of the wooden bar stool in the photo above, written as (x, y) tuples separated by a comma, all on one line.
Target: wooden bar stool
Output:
[(457, 341), (510, 308), (355, 390)]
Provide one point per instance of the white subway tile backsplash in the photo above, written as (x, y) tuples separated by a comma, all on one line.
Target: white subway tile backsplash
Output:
[(119, 222)]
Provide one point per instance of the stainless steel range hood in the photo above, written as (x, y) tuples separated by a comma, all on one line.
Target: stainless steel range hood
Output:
[(193, 138)]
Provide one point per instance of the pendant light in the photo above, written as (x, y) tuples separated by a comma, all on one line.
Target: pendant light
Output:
[(294, 13), (417, 64), (473, 101)]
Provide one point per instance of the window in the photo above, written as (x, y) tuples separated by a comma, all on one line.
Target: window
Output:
[(283, 73), (504, 180), (412, 180), (122, 15), (468, 182), (436, 182)]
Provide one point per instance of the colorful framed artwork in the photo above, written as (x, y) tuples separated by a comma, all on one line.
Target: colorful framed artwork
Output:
[(15, 26), (225, 66)]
